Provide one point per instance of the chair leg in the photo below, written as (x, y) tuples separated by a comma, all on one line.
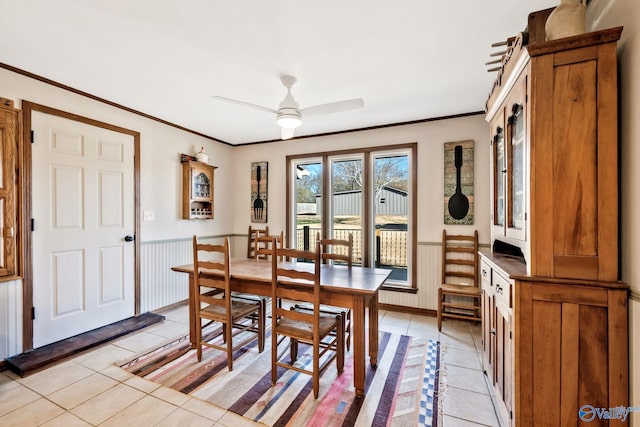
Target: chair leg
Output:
[(274, 353), (316, 369), (199, 339), (262, 320), (229, 328), (340, 349), (440, 308), (348, 330), (293, 349)]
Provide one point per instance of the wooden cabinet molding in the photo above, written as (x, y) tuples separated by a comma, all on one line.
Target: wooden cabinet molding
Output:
[(10, 146)]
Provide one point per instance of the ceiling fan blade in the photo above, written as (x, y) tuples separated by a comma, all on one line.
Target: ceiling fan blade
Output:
[(246, 104), (332, 107), (287, 133)]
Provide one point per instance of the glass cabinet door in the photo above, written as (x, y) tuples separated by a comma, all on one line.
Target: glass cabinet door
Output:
[(516, 168), (499, 169)]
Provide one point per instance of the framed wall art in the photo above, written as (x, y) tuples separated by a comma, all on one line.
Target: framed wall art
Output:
[(458, 182), (259, 181)]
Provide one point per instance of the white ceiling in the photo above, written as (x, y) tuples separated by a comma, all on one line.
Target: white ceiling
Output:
[(409, 60)]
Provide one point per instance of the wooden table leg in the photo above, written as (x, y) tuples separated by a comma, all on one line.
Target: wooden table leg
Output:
[(358, 335), (373, 330), (192, 312)]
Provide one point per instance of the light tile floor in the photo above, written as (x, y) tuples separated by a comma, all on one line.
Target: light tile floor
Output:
[(88, 390)]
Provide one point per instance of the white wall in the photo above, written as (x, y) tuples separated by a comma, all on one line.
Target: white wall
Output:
[(160, 191), (430, 137)]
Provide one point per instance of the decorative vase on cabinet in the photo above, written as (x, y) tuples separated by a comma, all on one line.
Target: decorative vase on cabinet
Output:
[(197, 190)]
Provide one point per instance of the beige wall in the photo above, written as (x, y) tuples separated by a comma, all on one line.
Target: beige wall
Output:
[(430, 137), (603, 14), (160, 145)]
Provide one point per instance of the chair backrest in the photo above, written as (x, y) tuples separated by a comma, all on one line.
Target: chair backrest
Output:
[(208, 256), (253, 232), (284, 274), (460, 258), (337, 249), (263, 245)]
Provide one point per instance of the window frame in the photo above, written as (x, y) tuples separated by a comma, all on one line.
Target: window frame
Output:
[(367, 154)]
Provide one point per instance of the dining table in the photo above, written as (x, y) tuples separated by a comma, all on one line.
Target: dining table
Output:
[(354, 288)]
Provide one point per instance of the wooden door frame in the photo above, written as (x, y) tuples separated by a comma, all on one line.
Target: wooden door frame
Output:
[(25, 200)]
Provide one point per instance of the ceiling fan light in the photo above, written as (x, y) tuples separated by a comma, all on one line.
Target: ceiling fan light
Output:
[(289, 119)]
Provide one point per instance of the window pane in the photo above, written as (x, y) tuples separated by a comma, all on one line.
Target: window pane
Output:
[(346, 208), (391, 210), (308, 206)]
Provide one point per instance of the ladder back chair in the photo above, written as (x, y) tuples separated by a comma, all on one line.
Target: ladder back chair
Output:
[(251, 237), (216, 304), (263, 248), (459, 294), (336, 250), (300, 282)]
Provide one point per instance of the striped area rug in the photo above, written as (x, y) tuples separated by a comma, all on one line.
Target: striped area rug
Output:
[(401, 391)]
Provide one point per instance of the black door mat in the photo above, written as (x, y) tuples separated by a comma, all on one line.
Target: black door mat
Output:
[(33, 360)]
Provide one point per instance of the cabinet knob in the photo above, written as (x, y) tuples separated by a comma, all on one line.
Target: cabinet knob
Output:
[(129, 238)]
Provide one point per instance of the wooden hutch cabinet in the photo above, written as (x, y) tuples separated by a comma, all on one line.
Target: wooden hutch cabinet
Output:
[(555, 327), (197, 190)]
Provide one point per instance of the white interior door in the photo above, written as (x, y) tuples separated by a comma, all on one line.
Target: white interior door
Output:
[(83, 207)]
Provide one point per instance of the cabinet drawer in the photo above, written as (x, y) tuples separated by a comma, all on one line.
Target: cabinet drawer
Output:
[(503, 290), (486, 281)]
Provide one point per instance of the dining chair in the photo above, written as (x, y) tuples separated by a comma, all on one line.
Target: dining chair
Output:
[(253, 233), (300, 282), (262, 245), (459, 294), (216, 304), (339, 250)]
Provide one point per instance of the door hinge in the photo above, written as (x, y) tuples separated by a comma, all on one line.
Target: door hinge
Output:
[(510, 335), (33, 224), (33, 313), (511, 414), (32, 138)]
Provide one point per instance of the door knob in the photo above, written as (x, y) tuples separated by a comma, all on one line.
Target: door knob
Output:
[(129, 238)]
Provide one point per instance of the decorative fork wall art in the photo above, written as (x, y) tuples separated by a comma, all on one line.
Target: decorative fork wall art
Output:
[(259, 180)]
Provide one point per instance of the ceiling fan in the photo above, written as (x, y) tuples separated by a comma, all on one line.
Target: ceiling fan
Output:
[(289, 115)]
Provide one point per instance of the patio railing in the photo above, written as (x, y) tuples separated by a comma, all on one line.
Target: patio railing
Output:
[(391, 245)]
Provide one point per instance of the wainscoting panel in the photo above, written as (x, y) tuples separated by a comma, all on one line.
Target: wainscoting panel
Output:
[(159, 286), (429, 260), (10, 318)]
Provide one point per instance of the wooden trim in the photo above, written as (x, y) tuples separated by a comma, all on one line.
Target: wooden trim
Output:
[(165, 122), (170, 307), (106, 101), (408, 310), (618, 348), (412, 122), (25, 204), (401, 289), (596, 37), (365, 150)]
